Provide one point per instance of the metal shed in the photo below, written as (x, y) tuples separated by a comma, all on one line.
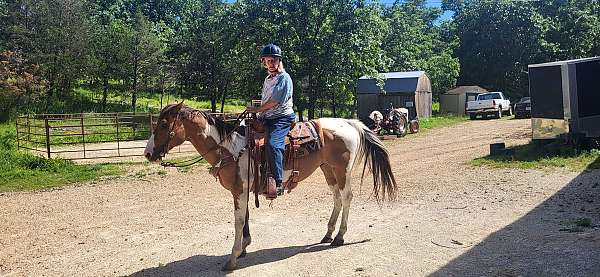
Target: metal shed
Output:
[(455, 100), (565, 98), (411, 90)]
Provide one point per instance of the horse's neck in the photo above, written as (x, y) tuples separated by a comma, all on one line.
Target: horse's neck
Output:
[(232, 146)]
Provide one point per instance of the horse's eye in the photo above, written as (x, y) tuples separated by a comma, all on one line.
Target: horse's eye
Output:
[(163, 125)]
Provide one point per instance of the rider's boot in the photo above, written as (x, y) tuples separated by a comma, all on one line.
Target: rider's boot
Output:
[(280, 188)]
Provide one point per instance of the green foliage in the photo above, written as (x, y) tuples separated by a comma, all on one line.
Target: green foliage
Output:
[(440, 121), (535, 156), (498, 39), (208, 49), (20, 82), (413, 42)]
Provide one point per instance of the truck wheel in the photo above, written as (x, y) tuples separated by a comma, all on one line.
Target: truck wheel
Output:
[(472, 116), (499, 114)]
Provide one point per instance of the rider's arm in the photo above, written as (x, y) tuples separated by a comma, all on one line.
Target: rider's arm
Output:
[(264, 107)]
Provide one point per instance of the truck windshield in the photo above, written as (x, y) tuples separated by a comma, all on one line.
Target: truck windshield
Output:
[(489, 96)]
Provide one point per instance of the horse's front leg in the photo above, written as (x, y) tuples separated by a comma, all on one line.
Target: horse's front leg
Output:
[(240, 219), (246, 234)]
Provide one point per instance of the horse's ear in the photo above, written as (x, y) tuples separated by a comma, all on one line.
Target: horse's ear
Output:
[(178, 107)]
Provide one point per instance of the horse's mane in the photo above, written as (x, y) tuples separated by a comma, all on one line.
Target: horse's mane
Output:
[(223, 128)]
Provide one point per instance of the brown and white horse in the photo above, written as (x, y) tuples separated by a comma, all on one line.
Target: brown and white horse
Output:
[(345, 142)]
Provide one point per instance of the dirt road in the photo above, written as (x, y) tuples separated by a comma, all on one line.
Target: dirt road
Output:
[(451, 219)]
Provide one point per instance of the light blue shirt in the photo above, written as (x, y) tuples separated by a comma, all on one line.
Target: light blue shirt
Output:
[(280, 89)]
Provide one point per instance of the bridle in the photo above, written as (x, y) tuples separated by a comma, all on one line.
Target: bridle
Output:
[(165, 146)]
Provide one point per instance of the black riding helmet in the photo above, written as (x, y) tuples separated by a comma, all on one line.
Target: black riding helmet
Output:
[(270, 50)]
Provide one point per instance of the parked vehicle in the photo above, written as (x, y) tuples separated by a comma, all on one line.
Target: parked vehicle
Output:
[(489, 104), (522, 108)]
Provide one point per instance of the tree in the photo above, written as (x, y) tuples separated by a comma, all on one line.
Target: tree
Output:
[(574, 31), (144, 54), (413, 42), (207, 46), (20, 82), (327, 45), (498, 39)]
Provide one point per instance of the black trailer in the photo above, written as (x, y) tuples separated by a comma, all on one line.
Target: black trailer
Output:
[(565, 98)]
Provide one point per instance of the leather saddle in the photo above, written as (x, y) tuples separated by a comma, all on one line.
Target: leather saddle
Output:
[(303, 139)]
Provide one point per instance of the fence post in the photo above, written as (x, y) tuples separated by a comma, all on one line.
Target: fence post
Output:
[(47, 127), (83, 135), (118, 141), (17, 129)]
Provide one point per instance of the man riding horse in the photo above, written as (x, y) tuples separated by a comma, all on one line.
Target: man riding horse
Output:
[(276, 109)]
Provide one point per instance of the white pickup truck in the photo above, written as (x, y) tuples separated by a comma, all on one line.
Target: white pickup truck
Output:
[(489, 103)]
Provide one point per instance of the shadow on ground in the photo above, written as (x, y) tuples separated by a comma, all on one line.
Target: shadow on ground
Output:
[(560, 237), (203, 265)]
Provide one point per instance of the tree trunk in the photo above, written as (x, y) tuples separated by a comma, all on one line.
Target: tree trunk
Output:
[(104, 93), (333, 104), (223, 96), (135, 85), (311, 99)]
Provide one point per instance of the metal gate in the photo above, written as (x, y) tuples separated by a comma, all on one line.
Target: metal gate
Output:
[(86, 135)]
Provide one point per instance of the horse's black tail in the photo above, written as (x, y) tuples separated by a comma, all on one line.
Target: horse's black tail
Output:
[(377, 158)]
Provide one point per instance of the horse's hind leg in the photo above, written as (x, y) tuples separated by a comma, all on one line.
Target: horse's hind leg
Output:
[(343, 177), (337, 202)]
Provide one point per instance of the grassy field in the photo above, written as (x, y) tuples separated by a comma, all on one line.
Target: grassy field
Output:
[(20, 170), (440, 121), (553, 155), (150, 102)]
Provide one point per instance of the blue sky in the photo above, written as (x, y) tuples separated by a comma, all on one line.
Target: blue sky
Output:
[(430, 3)]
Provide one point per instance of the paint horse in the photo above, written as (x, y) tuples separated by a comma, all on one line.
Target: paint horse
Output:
[(345, 143)]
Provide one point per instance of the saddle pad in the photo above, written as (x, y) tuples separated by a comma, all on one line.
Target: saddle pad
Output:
[(301, 133)]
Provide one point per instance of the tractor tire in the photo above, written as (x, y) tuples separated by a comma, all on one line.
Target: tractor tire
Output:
[(413, 126)]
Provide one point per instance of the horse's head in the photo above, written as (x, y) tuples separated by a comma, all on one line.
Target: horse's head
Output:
[(168, 133)]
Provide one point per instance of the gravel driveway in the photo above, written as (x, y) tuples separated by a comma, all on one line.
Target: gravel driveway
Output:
[(451, 219)]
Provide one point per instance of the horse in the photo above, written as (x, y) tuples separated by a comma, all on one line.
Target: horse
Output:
[(345, 143)]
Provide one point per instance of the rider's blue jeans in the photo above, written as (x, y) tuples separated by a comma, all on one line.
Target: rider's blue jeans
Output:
[(278, 129)]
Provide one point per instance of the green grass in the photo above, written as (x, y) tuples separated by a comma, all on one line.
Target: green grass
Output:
[(150, 102), (440, 121), (435, 107), (534, 156), (20, 170)]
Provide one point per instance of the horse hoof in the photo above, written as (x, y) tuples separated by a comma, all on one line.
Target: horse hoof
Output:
[(337, 242), (326, 239), (243, 254), (229, 266)]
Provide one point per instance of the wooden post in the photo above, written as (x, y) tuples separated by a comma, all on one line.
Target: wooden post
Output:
[(118, 142), (17, 129), (47, 127), (29, 131), (83, 135)]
